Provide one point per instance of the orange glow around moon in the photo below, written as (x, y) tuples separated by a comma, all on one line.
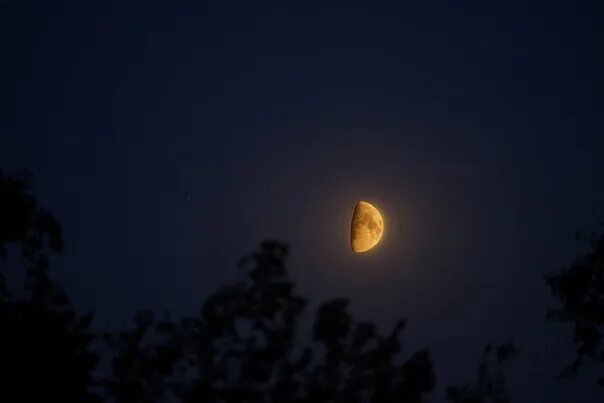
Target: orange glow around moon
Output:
[(366, 228)]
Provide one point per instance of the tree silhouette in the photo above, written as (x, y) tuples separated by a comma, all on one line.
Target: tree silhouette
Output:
[(490, 384), (140, 367), (245, 343), (579, 287), (44, 345), (243, 347), (22, 221)]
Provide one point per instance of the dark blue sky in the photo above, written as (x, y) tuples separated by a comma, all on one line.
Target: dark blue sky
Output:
[(170, 139)]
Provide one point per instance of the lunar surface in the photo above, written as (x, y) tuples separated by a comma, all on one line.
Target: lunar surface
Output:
[(366, 228)]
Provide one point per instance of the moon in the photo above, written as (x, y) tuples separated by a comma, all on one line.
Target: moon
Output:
[(366, 228)]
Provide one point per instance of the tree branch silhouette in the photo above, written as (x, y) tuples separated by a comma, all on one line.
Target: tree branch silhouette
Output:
[(579, 287), (45, 347)]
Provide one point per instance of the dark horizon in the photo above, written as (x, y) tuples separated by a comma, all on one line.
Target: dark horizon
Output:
[(169, 140)]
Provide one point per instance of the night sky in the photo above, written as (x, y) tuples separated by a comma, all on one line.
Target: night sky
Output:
[(170, 139)]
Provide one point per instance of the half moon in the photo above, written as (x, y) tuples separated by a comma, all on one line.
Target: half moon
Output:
[(366, 228)]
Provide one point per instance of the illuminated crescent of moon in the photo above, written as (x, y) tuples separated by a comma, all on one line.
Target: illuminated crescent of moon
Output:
[(366, 228)]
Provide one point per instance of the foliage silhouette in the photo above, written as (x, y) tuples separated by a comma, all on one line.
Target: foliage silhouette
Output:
[(22, 221), (242, 347), (140, 368), (490, 385), (44, 345), (579, 287)]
